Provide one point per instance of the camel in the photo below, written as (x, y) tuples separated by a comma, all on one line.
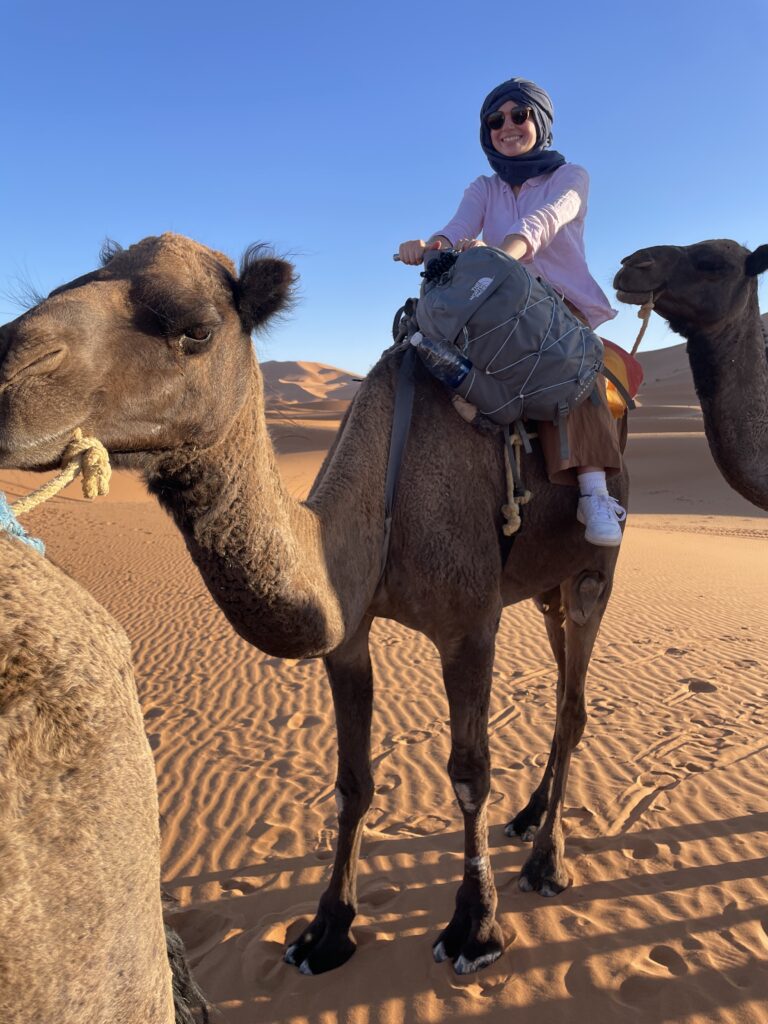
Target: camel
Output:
[(80, 908), (708, 293), (152, 352)]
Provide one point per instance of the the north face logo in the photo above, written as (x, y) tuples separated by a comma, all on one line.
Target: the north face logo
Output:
[(479, 287)]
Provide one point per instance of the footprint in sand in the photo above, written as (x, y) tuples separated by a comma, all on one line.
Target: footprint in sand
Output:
[(154, 713), (669, 958), (199, 929), (602, 706), (426, 825), (298, 720), (154, 740), (582, 814), (656, 780), (698, 685), (390, 782), (384, 892), (238, 886), (412, 736), (324, 844), (639, 989), (677, 652), (746, 663), (641, 849), (375, 818)]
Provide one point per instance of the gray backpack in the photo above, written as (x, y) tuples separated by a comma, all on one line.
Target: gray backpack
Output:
[(530, 357)]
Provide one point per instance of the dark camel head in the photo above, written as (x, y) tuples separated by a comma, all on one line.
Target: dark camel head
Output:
[(694, 286), (148, 353)]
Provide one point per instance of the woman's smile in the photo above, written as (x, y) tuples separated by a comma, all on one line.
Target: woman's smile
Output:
[(512, 139)]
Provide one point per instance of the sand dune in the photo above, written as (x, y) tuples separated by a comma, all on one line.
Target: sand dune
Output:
[(667, 820)]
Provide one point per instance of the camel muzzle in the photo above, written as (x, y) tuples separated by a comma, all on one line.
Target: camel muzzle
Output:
[(31, 364)]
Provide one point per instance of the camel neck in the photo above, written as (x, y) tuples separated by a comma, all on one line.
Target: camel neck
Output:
[(730, 372), (276, 567)]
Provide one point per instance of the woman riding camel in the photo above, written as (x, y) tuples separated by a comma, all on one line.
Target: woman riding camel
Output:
[(533, 208)]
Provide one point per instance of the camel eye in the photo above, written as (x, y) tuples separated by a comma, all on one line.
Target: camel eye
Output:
[(195, 340), (199, 334)]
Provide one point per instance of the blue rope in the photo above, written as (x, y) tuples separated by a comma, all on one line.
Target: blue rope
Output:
[(11, 524)]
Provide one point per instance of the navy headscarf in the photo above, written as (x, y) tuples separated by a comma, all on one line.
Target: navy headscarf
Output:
[(539, 160)]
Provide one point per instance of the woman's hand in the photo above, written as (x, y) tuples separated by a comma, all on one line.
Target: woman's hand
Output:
[(412, 252), (468, 243)]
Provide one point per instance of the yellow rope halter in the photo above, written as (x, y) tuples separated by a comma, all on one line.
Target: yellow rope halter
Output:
[(645, 315), (86, 454)]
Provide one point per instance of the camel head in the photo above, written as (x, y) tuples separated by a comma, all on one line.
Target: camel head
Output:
[(148, 353), (694, 286)]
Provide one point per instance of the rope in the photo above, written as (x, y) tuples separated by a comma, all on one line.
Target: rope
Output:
[(645, 315), (86, 454), (10, 524), (511, 511)]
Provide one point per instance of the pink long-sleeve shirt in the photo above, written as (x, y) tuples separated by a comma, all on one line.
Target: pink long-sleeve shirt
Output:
[(549, 213)]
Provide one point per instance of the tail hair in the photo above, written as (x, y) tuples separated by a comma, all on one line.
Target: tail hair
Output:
[(189, 1004)]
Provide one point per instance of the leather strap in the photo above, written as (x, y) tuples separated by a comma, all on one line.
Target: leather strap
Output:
[(401, 423)]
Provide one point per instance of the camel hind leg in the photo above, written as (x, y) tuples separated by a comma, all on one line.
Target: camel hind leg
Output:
[(326, 943), (526, 823), (472, 938), (584, 599)]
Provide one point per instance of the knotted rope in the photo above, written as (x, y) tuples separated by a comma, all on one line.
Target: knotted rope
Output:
[(511, 511), (83, 454), (645, 315)]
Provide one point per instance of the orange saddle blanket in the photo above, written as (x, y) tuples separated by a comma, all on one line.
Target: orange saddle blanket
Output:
[(627, 369)]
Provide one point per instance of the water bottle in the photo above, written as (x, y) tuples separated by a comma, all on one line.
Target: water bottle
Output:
[(443, 360)]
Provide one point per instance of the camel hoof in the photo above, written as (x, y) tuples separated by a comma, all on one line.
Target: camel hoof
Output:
[(465, 966), (543, 876), (551, 889), (320, 948), (439, 953), (523, 826)]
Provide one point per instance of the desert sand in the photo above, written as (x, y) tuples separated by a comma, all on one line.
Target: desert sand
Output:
[(667, 817)]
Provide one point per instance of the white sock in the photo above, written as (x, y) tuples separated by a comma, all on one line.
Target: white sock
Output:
[(591, 482)]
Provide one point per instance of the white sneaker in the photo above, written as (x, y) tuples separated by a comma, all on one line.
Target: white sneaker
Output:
[(601, 514)]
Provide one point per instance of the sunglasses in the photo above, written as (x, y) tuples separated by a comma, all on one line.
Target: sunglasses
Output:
[(517, 116)]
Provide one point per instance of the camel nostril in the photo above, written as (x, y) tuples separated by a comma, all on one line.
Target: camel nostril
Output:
[(37, 365)]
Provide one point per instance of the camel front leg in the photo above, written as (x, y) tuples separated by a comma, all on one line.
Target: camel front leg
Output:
[(526, 823), (472, 938), (584, 600), (326, 943)]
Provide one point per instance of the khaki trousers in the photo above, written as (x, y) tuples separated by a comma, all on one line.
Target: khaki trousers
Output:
[(595, 438)]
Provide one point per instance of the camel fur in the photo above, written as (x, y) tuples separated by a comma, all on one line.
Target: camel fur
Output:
[(80, 911)]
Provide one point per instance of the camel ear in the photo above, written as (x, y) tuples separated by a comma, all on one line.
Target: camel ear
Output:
[(265, 286), (757, 261)]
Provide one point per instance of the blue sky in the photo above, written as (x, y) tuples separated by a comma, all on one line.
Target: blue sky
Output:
[(335, 131)]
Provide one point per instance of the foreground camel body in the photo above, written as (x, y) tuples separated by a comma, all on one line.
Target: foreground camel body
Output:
[(81, 929), (708, 293), (152, 353)]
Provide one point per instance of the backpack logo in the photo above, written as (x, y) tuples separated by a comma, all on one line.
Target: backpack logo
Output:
[(479, 287)]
